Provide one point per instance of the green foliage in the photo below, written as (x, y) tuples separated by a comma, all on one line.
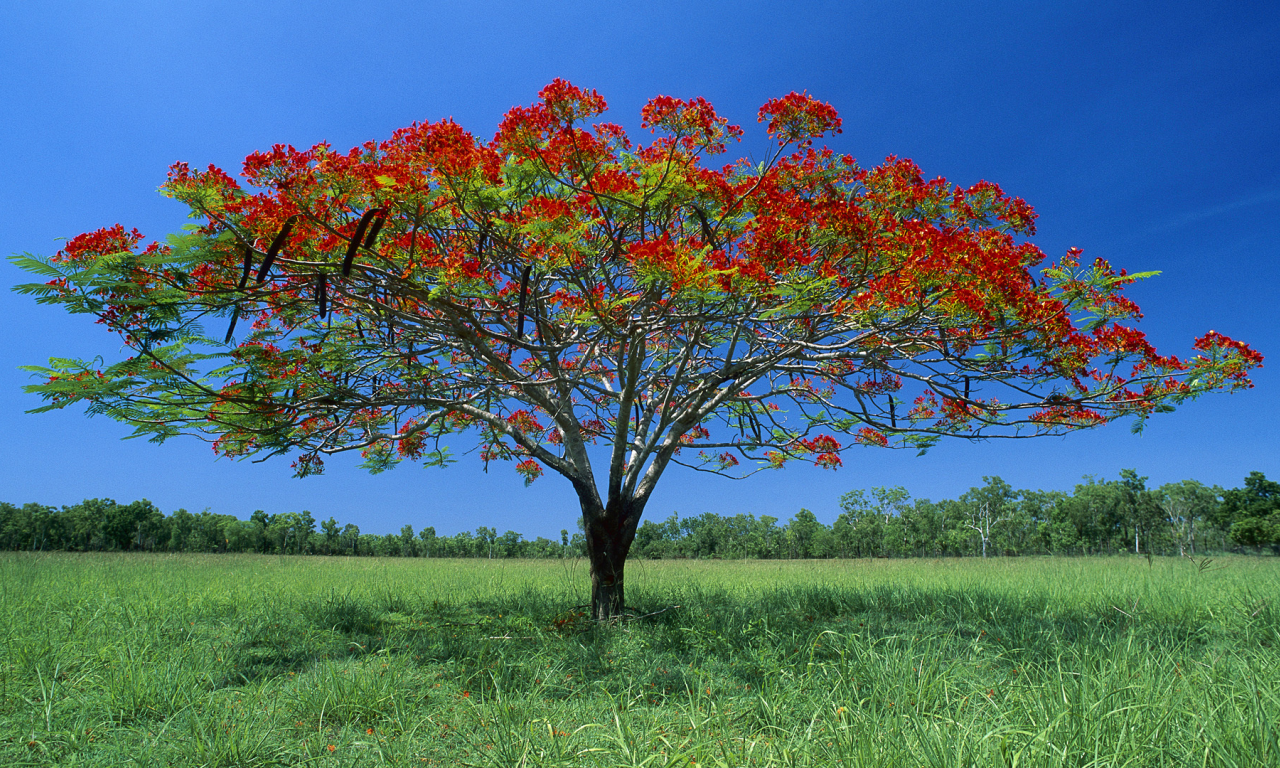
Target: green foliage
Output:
[(1253, 512), (1099, 517)]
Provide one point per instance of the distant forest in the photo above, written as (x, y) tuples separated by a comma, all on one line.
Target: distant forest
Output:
[(995, 519)]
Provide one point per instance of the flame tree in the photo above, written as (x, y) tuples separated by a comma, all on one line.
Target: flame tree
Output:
[(564, 298)]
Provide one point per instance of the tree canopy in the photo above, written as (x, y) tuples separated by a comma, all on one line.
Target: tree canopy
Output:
[(603, 308)]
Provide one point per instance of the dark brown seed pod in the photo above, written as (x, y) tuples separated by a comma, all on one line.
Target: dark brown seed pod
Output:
[(231, 329), (248, 266), (966, 387), (276, 245), (375, 228), (893, 417), (357, 238), (322, 295), (707, 234), (524, 295)]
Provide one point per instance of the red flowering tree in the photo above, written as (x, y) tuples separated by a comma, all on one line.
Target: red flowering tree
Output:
[(570, 300)]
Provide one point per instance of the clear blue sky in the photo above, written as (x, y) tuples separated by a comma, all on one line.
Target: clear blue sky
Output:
[(1145, 133)]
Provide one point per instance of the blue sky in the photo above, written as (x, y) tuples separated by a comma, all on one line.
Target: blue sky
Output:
[(1145, 133)]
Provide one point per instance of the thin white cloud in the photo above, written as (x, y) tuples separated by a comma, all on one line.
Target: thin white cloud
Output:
[(1193, 217)]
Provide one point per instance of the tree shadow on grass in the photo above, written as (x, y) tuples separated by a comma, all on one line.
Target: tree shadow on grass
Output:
[(746, 639)]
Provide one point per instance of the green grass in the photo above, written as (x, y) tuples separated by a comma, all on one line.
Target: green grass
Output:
[(245, 660)]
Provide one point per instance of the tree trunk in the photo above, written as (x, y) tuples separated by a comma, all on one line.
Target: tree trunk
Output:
[(609, 534), (608, 592)]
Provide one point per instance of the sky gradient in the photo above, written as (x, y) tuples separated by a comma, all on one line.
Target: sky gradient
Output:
[(1144, 133)]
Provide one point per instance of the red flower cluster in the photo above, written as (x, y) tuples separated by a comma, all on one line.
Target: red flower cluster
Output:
[(798, 117), (693, 124), (869, 436), (530, 470), (100, 242)]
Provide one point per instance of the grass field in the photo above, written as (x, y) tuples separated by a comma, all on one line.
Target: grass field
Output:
[(247, 660)]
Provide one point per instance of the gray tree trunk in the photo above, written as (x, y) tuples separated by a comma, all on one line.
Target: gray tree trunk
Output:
[(610, 532)]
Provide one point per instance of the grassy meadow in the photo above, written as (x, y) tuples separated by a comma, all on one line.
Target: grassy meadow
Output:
[(241, 660)]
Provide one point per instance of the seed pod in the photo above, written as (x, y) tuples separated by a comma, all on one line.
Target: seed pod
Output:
[(893, 417), (231, 329), (375, 228), (966, 387), (322, 296), (276, 245), (524, 294), (707, 234), (248, 265), (356, 238)]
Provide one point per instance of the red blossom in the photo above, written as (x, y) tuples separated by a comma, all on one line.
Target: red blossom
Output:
[(819, 444), (1214, 341), (694, 123), (530, 469), (798, 117), (567, 102), (525, 421), (869, 436), (98, 243), (828, 461)]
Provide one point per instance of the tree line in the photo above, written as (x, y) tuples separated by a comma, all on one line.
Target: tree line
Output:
[(994, 519)]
